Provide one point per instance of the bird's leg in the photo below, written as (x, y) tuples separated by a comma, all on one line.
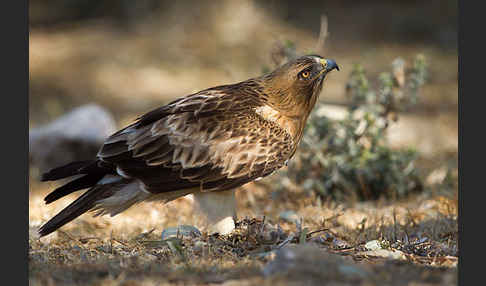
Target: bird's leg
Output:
[(219, 208)]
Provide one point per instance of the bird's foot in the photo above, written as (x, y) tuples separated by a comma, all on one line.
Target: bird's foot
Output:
[(217, 209), (223, 227)]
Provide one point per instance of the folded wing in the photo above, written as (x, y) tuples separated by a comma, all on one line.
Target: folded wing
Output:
[(213, 140)]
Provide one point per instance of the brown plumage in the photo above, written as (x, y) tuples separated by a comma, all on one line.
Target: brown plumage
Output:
[(213, 140)]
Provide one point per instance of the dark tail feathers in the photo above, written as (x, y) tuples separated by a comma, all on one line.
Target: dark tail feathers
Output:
[(91, 169), (93, 173), (75, 185), (81, 205), (65, 171)]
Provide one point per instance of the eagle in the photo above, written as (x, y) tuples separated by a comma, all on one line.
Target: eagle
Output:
[(207, 144)]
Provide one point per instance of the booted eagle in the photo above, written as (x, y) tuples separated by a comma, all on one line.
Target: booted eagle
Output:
[(207, 144)]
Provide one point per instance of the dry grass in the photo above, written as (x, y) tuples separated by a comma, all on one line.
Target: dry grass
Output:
[(416, 241)]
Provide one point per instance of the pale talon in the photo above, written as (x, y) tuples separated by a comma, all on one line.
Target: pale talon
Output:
[(223, 227), (217, 209)]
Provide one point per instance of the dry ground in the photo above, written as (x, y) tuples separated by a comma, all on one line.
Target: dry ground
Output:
[(415, 243)]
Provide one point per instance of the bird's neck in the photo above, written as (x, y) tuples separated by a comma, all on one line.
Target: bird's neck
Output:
[(294, 125), (286, 108)]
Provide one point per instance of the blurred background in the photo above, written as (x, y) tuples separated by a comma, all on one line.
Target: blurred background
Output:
[(131, 56)]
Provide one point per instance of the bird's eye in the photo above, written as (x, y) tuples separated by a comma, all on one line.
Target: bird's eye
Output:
[(305, 74)]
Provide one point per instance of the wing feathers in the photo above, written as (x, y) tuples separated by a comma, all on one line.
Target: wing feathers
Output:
[(153, 146), (211, 139)]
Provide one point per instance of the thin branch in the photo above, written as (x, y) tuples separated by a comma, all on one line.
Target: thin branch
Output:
[(323, 33)]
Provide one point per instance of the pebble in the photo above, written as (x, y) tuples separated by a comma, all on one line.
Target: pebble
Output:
[(181, 230)]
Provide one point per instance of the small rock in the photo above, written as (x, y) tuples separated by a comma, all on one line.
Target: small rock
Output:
[(289, 216), (75, 136), (298, 261), (339, 243), (373, 245), (389, 254), (181, 230), (199, 247), (437, 176)]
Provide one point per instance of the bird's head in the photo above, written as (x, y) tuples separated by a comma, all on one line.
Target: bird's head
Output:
[(294, 87)]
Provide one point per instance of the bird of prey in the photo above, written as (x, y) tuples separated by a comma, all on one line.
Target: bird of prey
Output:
[(207, 143)]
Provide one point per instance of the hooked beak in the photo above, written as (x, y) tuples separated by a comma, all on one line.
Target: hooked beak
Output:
[(329, 65)]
